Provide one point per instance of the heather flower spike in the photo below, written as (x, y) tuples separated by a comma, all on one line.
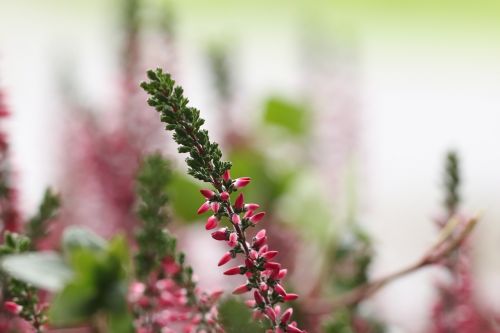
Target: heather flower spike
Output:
[(205, 163)]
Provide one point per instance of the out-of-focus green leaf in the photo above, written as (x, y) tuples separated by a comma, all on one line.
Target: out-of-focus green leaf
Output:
[(185, 197), (99, 286), (293, 118), (78, 237), (235, 317), (45, 270)]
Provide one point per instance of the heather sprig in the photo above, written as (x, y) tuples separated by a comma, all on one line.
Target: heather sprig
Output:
[(37, 226), (165, 294), (205, 163), (452, 182)]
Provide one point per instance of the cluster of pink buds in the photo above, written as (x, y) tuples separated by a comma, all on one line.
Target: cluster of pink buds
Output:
[(263, 275), (165, 306), (12, 307)]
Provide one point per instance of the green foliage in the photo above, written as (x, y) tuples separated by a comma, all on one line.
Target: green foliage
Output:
[(36, 227), (45, 270), (344, 321), (204, 161), (154, 241), (292, 118), (98, 288), (452, 182), (235, 317), (17, 290)]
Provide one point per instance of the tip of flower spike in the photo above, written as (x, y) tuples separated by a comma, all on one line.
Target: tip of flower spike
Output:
[(211, 223), (241, 289), (207, 193), (225, 258), (203, 208)]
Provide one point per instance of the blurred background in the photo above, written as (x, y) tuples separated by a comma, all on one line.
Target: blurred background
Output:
[(342, 112)]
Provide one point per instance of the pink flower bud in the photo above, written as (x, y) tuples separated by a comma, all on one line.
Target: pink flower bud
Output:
[(259, 299), (259, 242), (235, 270), (253, 254), (225, 258), (261, 234), (249, 263), (207, 193), (238, 203), (290, 297), (233, 239), (215, 206), (285, 318), (263, 287), (220, 234), (272, 265), (248, 214), (241, 182), (236, 219), (263, 249), (251, 207), (211, 223), (241, 289), (215, 295), (269, 255), (270, 314), (224, 196), (293, 329), (226, 176), (204, 208), (282, 273), (280, 290), (12, 307), (257, 217)]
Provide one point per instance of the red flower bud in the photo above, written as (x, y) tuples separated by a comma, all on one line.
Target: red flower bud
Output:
[(220, 234), (235, 270), (282, 273), (270, 313), (290, 297), (215, 207), (272, 265), (269, 255), (238, 203), (241, 182), (207, 193), (280, 290), (236, 219), (241, 289), (261, 234), (285, 318), (225, 258), (253, 254), (259, 299), (293, 329), (257, 217), (12, 307), (251, 207), (263, 287), (226, 176), (211, 223), (203, 208), (224, 196), (233, 239)]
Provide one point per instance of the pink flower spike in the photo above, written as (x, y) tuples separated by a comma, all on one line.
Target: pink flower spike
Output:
[(236, 219), (215, 206), (225, 258), (239, 202), (293, 329), (257, 217), (241, 289), (285, 318), (234, 271), (220, 234), (282, 273), (241, 182), (12, 307), (227, 175), (280, 290), (203, 208), (259, 299), (233, 239), (270, 313), (290, 297), (269, 255), (224, 196), (251, 207), (207, 193), (211, 223)]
